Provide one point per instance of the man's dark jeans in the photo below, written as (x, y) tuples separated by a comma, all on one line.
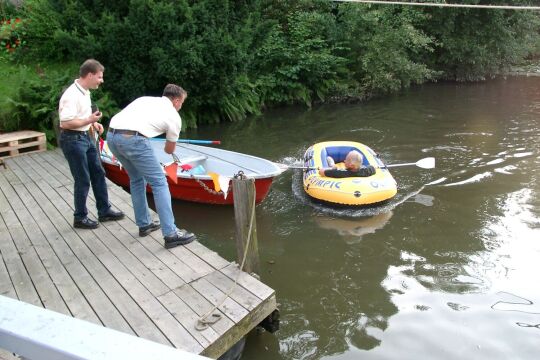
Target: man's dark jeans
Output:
[(83, 159)]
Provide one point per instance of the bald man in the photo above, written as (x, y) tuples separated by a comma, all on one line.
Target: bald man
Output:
[(353, 167)]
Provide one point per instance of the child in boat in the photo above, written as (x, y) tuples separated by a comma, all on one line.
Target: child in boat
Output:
[(353, 167)]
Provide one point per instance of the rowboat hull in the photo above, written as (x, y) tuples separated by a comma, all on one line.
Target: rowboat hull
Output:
[(200, 188)]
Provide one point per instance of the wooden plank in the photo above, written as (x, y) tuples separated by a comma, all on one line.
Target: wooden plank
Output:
[(175, 263), (75, 300), (22, 331), (20, 135), (100, 276), (6, 286), (147, 257), (188, 318), (20, 278), (241, 328), (160, 316), (256, 287), (155, 247), (201, 306), (211, 257), (61, 241), (22, 227), (159, 294), (235, 291), (19, 142), (38, 144), (143, 264), (185, 264), (229, 307), (55, 177)]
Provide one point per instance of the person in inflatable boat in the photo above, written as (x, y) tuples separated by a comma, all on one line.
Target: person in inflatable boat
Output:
[(353, 167)]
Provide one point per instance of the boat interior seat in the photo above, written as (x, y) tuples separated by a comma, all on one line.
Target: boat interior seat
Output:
[(338, 153), (193, 159)]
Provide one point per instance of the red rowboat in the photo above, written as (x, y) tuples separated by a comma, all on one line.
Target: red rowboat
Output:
[(197, 184)]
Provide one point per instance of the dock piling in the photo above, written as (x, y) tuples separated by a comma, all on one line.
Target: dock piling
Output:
[(246, 229)]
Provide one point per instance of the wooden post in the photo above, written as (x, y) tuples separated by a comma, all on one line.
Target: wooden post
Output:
[(244, 193)]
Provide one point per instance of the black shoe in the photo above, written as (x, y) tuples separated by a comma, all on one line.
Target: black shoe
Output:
[(182, 237), (85, 223), (111, 215), (146, 230)]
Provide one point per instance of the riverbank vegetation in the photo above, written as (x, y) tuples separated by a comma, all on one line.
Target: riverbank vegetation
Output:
[(237, 58)]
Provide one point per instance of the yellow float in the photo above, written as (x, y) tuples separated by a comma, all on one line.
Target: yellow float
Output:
[(351, 190)]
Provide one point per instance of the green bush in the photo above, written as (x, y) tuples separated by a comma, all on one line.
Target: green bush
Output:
[(34, 105), (297, 60), (387, 52), (236, 57), (474, 44)]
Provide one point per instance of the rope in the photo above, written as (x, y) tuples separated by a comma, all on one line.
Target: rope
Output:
[(203, 322), (507, 7)]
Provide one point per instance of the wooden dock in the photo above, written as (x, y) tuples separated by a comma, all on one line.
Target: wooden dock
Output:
[(110, 276)]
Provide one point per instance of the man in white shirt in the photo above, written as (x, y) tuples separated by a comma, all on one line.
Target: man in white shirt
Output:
[(128, 140), (79, 148)]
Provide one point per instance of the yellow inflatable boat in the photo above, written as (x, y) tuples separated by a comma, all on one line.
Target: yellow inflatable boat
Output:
[(351, 190)]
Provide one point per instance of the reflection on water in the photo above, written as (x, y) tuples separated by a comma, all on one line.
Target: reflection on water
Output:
[(354, 229), (446, 269)]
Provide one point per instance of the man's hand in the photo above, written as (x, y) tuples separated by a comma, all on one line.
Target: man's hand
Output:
[(94, 117), (98, 127)]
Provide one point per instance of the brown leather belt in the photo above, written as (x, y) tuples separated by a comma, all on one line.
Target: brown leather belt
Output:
[(125, 132)]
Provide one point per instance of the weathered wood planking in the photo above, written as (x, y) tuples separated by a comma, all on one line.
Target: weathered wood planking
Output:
[(109, 275)]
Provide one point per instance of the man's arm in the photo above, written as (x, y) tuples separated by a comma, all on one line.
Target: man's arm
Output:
[(77, 123), (170, 146)]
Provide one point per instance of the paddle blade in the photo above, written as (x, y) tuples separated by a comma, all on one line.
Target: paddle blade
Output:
[(427, 163), (172, 172)]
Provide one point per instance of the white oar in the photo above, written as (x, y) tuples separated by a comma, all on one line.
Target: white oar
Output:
[(286, 167), (426, 163)]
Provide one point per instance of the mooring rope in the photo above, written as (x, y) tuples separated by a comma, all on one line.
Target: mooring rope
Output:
[(506, 7), (203, 322)]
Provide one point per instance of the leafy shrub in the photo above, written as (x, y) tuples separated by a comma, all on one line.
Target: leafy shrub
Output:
[(11, 35), (386, 49), (297, 62), (35, 104), (473, 44), (235, 57)]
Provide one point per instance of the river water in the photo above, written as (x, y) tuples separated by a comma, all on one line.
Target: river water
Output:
[(448, 269)]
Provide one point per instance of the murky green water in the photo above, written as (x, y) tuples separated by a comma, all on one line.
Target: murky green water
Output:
[(449, 269)]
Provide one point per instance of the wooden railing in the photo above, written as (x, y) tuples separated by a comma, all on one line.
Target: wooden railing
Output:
[(35, 333)]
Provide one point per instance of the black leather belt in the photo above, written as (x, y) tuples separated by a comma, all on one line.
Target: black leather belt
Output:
[(69, 131), (125, 132)]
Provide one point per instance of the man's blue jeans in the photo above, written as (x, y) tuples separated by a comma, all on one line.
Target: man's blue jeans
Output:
[(137, 156), (85, 165)]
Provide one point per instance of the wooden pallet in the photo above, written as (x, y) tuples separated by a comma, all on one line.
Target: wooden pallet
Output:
[(22, 142)]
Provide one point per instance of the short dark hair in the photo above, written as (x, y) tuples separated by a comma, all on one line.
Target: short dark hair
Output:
[(90, 66), (173, 91)]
